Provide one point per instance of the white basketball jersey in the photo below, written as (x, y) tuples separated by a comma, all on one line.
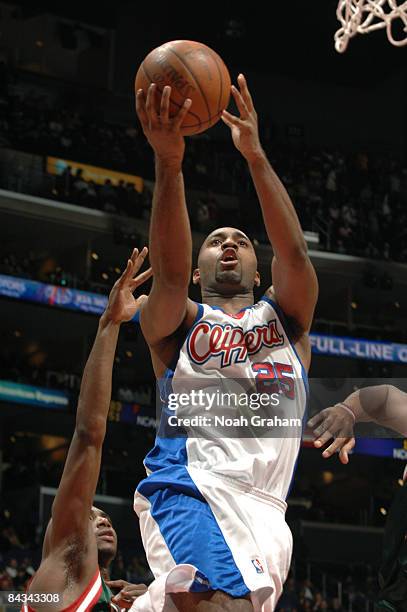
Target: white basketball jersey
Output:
[(236, 352)]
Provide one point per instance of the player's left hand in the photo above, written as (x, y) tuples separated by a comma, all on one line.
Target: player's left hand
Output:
[(127, 594), (122, 305), (245, 131), (333, 422)]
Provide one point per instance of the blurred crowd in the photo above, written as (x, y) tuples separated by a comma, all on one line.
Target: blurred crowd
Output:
[(356, 202), (121, 198), (46, 267), (307, 596), (20, 555), (18, 563), (18, 558)]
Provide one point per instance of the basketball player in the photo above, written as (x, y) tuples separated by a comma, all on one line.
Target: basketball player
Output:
[(385, 405), (212, 509), (80, 542)]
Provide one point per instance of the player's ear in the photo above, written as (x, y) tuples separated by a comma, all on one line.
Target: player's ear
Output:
[(257, 279), (196, 277)]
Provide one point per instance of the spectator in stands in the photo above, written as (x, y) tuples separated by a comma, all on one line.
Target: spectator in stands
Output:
[(64, 183), (12, 568), (79, 187), (90, 196), (6, 583), (203, 220), (290, 600), (9, 539), (137, 572), (108, 197), (132, 201)]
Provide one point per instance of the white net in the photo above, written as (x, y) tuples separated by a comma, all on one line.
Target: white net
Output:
[(363, 16)]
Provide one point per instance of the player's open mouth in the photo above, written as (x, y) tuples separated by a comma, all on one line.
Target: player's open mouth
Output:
[(106, 535), (229, 259), (227, 264)]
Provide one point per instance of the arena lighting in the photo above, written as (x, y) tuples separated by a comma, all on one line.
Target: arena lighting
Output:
[(95, 256), (397, 304), (105, 276), (327, 477), (129, 354), (383, 511), (354, 305), (400, 482)]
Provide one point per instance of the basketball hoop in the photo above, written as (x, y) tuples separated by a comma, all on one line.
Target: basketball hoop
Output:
[(363, 16)]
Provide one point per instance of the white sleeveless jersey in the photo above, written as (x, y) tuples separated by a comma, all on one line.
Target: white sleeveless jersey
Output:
[(237, 352)]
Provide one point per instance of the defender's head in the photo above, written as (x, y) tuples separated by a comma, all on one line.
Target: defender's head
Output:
[(106, 537), (227, 263)]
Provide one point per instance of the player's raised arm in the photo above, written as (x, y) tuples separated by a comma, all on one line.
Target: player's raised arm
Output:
[(73, 502), (294, 280), (170, 240), (382, 404)]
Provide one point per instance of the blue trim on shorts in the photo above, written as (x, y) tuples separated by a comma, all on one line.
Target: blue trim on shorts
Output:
[(193, 536)]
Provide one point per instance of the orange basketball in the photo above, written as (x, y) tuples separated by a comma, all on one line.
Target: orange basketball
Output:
[(194, 71)]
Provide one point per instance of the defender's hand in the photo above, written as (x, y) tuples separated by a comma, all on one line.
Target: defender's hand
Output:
[(127, 594), (122, 305), (162, 132), (245, 131), (334, 422)]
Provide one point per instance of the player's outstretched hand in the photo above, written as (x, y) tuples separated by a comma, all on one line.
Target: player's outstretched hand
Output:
[(127, 594), (334, 422), (245, 131), (162, 131), (122, 305)]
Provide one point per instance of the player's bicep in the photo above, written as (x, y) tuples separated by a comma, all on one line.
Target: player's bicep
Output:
[(164, 311), (396, 410), (73, 502), (295, 288)]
